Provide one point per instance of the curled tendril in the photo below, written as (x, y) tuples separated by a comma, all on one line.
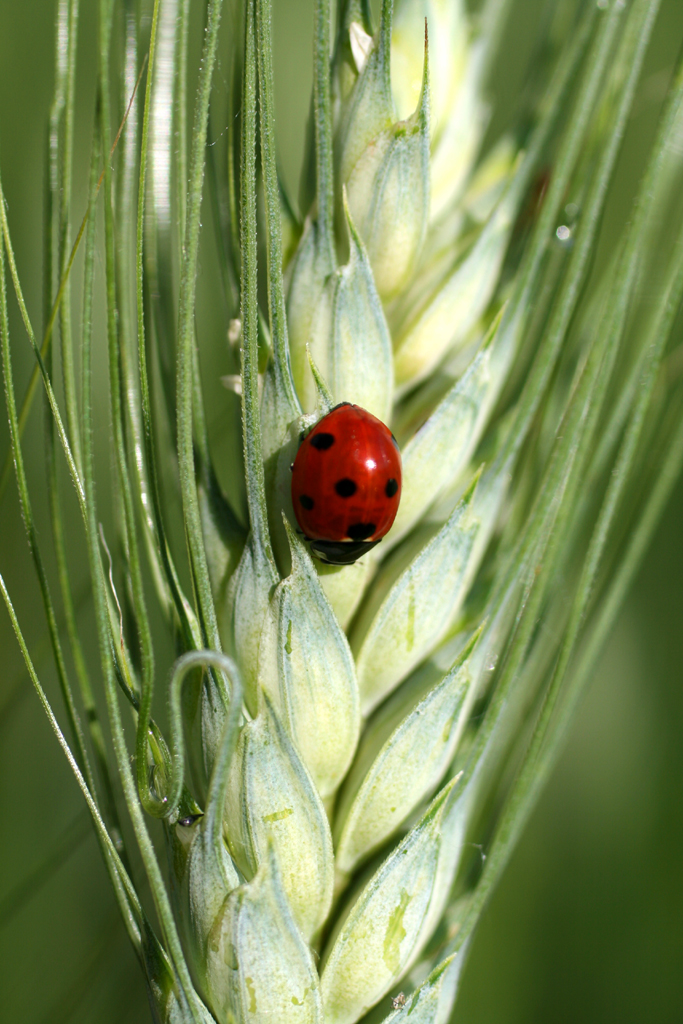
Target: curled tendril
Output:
[(169, 802)]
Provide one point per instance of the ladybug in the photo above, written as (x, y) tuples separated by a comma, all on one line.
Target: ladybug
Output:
[(346, 484)]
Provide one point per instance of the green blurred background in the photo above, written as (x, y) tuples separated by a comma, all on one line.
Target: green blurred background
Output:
[(586, 924)]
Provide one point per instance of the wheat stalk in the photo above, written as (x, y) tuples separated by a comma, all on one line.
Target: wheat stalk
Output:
[(342, 743)]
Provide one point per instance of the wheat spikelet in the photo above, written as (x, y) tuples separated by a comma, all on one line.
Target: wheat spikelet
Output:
[(338, 736)]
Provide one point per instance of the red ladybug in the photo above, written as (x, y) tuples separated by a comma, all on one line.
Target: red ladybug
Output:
[(346, 484)]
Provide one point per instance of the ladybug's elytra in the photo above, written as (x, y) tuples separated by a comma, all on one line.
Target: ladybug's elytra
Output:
[(346, 484)]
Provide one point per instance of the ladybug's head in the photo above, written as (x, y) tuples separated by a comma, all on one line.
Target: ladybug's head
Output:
[(341, 552)]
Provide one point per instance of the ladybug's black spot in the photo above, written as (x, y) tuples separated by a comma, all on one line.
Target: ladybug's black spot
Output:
[(322, 441), (345, 488), (391, 488), (361, 531), (307, 502), (395, 441)]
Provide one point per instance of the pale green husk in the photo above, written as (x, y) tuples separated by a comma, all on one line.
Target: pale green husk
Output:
[(339, 743)]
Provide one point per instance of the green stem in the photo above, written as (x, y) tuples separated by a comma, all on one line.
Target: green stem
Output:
[(532, 778), (276, 291), (537, 547), (215, 801), (152, 804), (64, 209), (619, 477), (181, 112), (185, 369), (82, 674), (141, 415), (54, 408), (123, 887), (153, 871), (42, 353), (322, 110), (251, 421), (29, 523), (547, 357)]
